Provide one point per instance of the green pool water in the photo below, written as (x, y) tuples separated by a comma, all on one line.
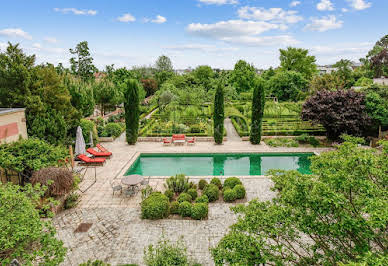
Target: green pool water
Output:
[(228, 164)]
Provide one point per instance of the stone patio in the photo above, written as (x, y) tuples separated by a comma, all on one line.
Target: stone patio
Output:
[(119, 236)]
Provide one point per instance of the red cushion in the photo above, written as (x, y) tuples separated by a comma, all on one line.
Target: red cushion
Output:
[(96, 153), (86, 159), (179, 136)]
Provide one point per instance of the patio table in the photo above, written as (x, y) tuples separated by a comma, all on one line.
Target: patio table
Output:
[(132, 181)]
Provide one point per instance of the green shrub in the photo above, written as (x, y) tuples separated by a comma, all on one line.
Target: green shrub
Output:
[(202, 184), (230, 195), (71, 201), (212, 192), (112, 130), (94, 263), (185, 209), (216, 181), (193, 193), (166, 253), (169, 194), (178, 183), (199, 211), (314, 142), (202, 199), (174, 207), (240, 191), (87, 127), (184, 197), (192, 185), (231, 182), (155, 206), (146, 192)]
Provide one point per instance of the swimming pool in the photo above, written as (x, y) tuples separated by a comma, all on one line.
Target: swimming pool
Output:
[(212, 164)]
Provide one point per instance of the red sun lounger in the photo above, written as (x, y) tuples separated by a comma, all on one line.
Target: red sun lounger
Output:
[(98, 154), (102, 149), (91, 161)]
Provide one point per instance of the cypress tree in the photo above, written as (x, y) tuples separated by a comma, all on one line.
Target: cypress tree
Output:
[(258, 102), (219, 114), (132, 110)]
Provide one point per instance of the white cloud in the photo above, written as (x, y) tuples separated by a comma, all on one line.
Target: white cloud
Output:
[(15, 33), (75, 11), (359, 4), (219, 2), (50, 40), (159, 19), (3, 46), (324, 24), (126, 18), (295, 3), (37, 46), (200, 47), (271, 14), (344, 10), (325, 5), (342, 49), (241, 32)]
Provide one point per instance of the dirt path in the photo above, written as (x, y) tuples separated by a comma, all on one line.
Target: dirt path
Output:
[(231, 131)]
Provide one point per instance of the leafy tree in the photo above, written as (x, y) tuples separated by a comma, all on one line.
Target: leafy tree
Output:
[(330, 82), (334, 216), (106, 93), (376, 104), (339, 112), (219, 114), (288, 86), (82, 63), (132, 110), (204, 74), (298, 60), (150, 86), (164, 64), (345, 72), (82, 95), (243, 76), (23, 234), (258, 102), (377, 58), (28, 155)]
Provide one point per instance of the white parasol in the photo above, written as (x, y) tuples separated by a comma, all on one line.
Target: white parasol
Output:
[(80, 145)]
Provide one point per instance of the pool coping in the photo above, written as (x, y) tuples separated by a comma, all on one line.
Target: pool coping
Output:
[(137, 154)]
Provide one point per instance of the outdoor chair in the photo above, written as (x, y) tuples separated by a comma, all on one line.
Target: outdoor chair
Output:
[(98, 154), (191, 141), (85, 160), (146, 181), (129, 192), (116, 187), (166, 142), (102, 148), (179, 139)]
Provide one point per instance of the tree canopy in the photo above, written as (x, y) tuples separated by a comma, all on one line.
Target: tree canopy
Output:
[(298, 60), (243, 75), (82, 63)]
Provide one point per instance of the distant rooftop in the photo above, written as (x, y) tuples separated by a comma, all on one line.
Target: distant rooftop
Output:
[(10, 110)]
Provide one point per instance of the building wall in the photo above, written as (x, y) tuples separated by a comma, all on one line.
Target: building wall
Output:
[(381, 81), (12, 125)]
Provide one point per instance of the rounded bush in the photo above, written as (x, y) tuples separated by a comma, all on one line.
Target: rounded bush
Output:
[(113, 130), (216, 181), (193, 193), (231, 182), (185, 209), (202, 184), (240, 191), (199, 211), (230, 195), (212, 192), (174, 207), (169, 194), (155, 206), (184, 197), (202, 199)]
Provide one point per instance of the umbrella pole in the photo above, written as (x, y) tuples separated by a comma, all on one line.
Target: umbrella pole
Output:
[(71, 156)]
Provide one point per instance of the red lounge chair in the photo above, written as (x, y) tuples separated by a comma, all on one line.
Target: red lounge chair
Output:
[(179, 138), (191, 141), (166, 141), (98, 154), (91, 161), (102, 149)]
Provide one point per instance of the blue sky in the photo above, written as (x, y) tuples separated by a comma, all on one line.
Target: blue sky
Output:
[(193, 32)]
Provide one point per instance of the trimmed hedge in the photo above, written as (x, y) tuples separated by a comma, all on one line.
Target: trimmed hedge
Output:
[(155, 207), (169, 194), (174, 207), (199, 211), (184, 197), (185, 209), (231, 182), (216, 181), (230, 195), (202, 199), (202, 184), (193, 193), (240, 191), (212, 192)]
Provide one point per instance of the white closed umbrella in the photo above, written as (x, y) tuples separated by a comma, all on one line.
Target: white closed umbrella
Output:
[(80, 146)]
